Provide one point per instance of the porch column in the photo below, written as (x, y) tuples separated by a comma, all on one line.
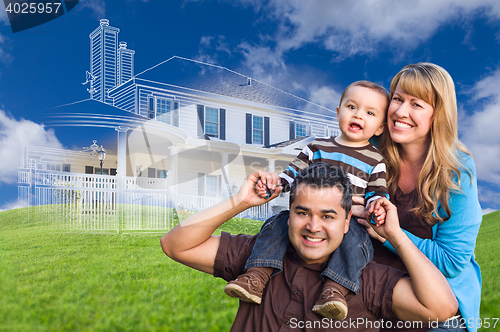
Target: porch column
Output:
[(121, 167), (270, 165), (226, 192), (174, 169)]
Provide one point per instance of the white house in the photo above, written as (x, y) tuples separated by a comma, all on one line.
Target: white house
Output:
[(187, 134)]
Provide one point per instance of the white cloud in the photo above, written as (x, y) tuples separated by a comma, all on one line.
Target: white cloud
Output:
[(15, 204), (486, 211), (5, 57), (361, 27), (13, 135), (98, 7), (325, 96), (480, 132), (489, 198), (208, 44), (3, 15)]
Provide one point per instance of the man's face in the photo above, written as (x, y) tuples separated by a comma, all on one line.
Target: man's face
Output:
[(317, 222)]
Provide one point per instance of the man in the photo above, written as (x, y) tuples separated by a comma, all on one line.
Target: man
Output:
[(320, 210)]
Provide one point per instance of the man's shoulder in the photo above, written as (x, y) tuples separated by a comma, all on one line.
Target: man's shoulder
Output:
[(232, 255), (380, 275), (377, 287)]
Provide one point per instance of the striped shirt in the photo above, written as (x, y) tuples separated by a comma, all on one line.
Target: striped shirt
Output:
[(365, 166)]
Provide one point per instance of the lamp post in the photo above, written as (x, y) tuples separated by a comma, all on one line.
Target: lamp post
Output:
[(102, 155), (95, 150)]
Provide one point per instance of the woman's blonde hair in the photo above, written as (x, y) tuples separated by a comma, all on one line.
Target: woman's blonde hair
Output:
[(434, 85)]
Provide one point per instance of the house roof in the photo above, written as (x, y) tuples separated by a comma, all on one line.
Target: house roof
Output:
[(82, 121), (219, 80), (286, 143)]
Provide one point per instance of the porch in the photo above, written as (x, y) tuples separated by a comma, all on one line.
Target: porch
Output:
[(96, 202)]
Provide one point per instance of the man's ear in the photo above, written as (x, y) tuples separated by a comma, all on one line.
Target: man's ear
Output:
[(347, 222), (337, 111), (381, 129), (288, 221)]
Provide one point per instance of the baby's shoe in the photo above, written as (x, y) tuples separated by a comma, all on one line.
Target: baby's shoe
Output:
[(248, 287), (331, 303)]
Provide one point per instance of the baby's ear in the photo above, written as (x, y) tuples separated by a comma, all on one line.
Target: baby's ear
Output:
[(381, 129)]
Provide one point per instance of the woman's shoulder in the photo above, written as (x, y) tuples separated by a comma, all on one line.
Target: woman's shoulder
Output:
[(467, 165)]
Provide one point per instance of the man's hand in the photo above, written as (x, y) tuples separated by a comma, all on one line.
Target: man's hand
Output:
[(254, 190)]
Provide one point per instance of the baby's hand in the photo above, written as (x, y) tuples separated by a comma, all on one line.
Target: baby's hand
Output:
[(261, 189), (376, 213), (267, 184)]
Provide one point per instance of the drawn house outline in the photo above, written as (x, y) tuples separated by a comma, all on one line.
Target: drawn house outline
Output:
[(191, 128)]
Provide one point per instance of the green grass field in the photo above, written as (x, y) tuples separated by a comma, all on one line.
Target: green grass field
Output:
[(54, 280)]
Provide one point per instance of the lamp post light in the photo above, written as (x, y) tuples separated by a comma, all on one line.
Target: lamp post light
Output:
[(102, 155), (95, 150)]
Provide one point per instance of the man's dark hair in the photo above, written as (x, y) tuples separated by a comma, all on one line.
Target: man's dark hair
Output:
[(323, 175)]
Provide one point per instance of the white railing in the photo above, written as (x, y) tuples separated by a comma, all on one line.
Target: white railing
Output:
[(195, 203), (94, 202), (138, 184), (23, 177)]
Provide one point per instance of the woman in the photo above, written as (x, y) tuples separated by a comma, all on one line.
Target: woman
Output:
[(431, 179)]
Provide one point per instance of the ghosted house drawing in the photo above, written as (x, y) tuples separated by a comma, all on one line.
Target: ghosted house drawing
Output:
[(187, 134)]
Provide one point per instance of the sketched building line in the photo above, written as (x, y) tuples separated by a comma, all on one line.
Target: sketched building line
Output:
[(187, 135)]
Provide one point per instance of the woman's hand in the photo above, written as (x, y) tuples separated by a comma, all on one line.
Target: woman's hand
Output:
[(390, 229), (358, 211), (370, 230)]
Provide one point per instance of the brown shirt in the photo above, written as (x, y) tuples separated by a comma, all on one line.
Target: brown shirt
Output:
[(407, 221), (289, 296)]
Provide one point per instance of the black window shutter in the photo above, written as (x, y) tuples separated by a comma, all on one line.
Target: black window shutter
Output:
[(175, 121), (222, 121), (201, 184), (151, 172), (201, 120), (151, 107), (266, 131), (292, 130), (249, 128)]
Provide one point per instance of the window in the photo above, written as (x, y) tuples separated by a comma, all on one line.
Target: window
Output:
[(52, 167), (211, 186), (330, 131), (151, 172), (89, 169), (258, 130), (161, 174), (300, 130), (212, 121), (97, 170), (163, 110), (66, 168)]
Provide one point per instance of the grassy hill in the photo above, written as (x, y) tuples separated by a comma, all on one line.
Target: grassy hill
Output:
[(54, 280)]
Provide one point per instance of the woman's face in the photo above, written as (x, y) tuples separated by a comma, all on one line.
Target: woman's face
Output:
[(409, 119)]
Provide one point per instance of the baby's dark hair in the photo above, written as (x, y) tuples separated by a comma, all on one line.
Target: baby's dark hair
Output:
[(370, 85), (323, 175)]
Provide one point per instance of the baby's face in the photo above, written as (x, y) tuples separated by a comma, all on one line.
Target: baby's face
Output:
[(362, 114)]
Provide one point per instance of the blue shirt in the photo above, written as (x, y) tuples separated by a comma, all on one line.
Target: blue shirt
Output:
[(453, 242)]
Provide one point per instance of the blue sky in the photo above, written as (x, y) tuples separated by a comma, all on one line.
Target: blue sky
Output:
[(310, 48)]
